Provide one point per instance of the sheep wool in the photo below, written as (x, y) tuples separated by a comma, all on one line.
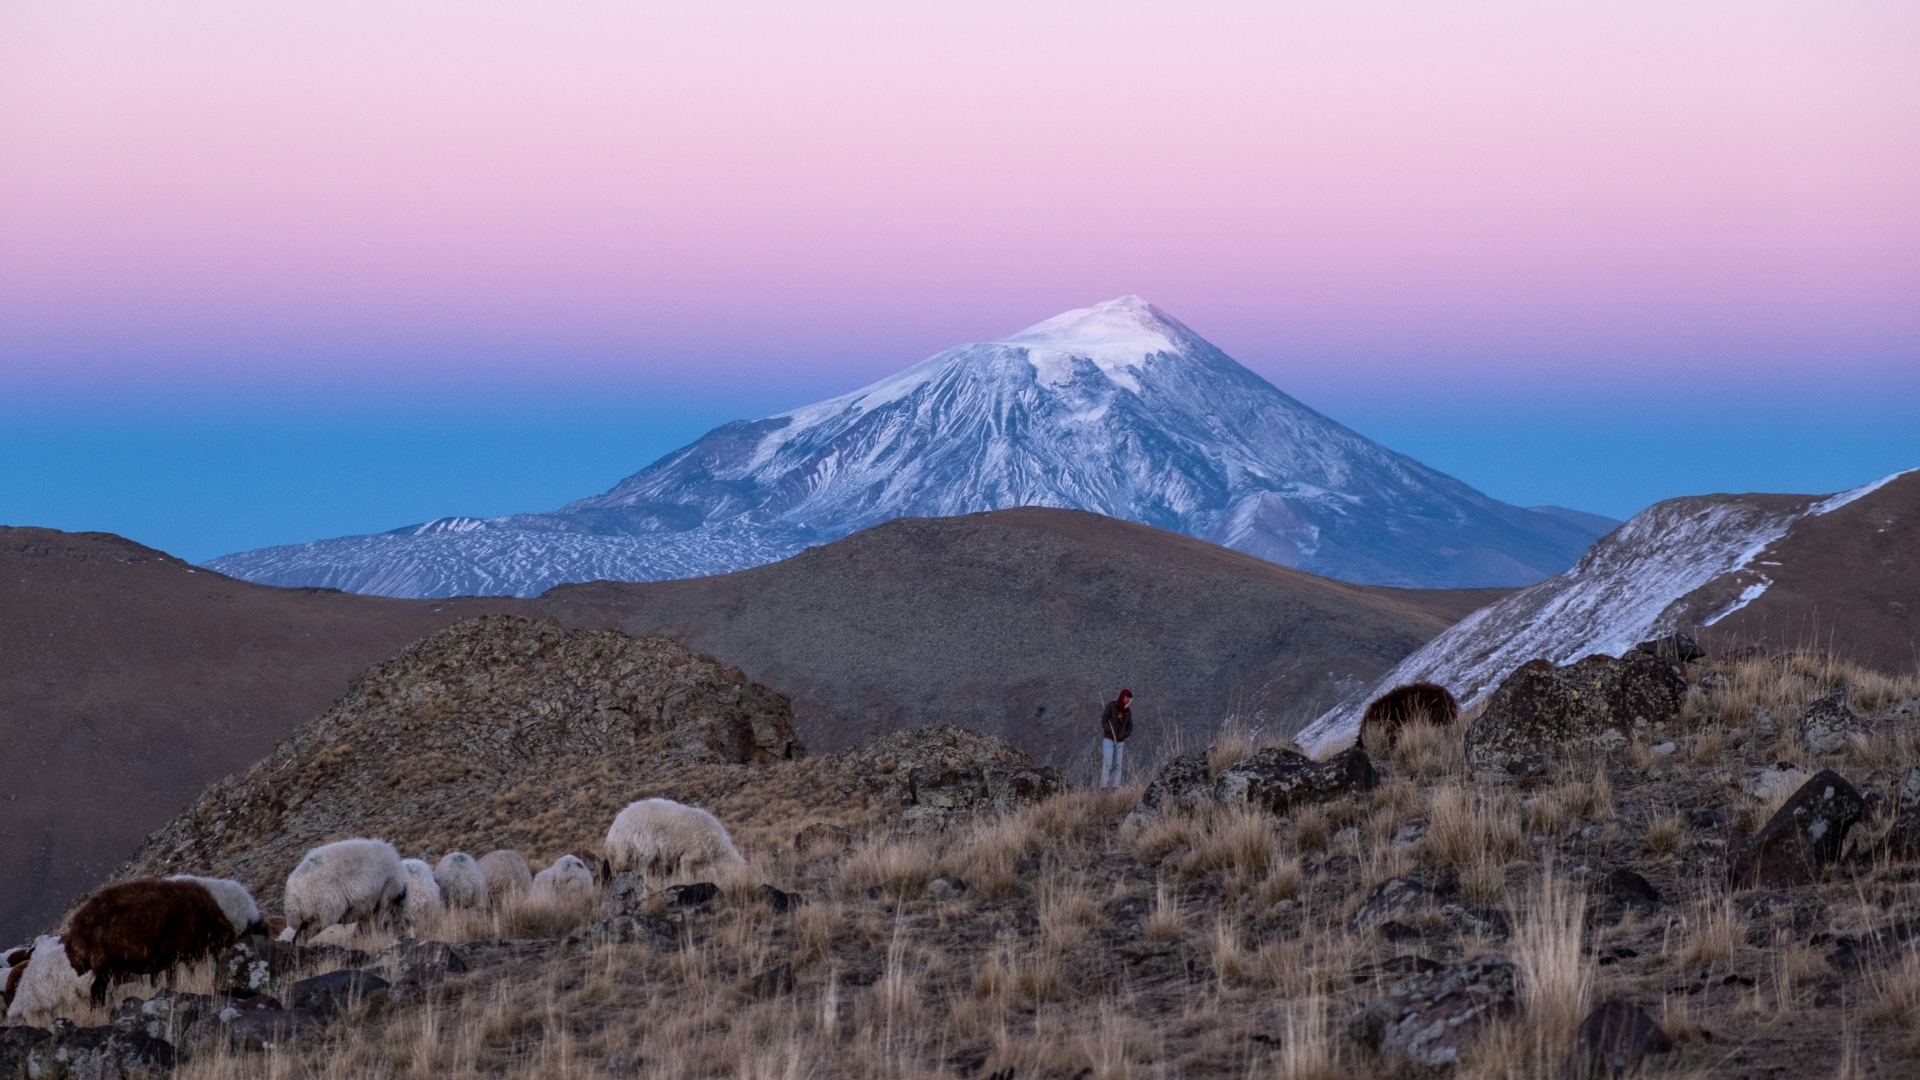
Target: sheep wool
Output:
[(48, 986), (347, 881), (423, 892), (662, 838), (145, 926), (506, 873), (462, 885), (568, 878), (234, 900)]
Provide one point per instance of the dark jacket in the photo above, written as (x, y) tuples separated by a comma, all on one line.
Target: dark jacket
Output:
[(1116, 723)]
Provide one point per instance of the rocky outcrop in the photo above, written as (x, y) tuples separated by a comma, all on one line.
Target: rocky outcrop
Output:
[(107, 1052), (425, 744), (1541, 711), (1803, 836), (1903, 838), (1429, 1019), (939, 792), (1277, 780), (1182, 784)]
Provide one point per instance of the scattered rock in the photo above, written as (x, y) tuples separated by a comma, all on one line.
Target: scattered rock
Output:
[(1903, 839), (693, 895), (820, 839), (1541, 712), (262, 1030), (1613, 1041), (1395, 967), (14, 1044), (1629, 888), (251, 964), (1676, 648), (336, 992), (624, 1063), (70, 1052), (781, 902), (625, 893), (167, 1015), (1714, 683), (1664, 749), (1393, 900), (1762, 721), (1430, 1018), (1278, 780), (1393, 710), (1182, 784), (420, 963), (652, 930), (1874, 950), (937, 792), (1830, 724), (770, 983), (946, 887), (1803, 836)]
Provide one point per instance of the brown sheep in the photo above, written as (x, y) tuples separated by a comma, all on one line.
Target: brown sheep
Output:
[(1391, 710), (144, 927)]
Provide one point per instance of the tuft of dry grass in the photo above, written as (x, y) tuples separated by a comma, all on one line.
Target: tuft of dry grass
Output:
[(1556, 978), (1667, 835), (1464, 827), (1426, 751), (1717, 931)]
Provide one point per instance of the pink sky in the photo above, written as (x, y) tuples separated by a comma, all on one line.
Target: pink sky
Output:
[(1329, 191)]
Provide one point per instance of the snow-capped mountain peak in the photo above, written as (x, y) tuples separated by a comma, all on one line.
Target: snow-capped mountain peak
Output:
[(1115, 408)]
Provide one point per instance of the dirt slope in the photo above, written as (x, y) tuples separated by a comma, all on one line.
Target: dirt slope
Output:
[(132, 680), (129, 680), (1848, 581), (1021, 623)]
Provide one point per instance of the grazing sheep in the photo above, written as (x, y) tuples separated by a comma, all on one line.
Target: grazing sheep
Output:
[(423, 892), (346, 881), (43, 981), (660, 838), (568, 878), (234, 900), (462, 885), (1402, 704), (601, 875), (506, 873), (144, 927)]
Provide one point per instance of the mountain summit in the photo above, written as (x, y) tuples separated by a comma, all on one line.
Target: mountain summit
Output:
[(1117, 408)]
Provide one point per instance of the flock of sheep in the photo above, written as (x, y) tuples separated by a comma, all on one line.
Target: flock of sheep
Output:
[(148, 926)]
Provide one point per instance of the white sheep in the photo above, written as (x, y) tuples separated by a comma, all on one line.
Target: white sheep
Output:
[(346, 881), (49, 986), (423, 892), (506, 873), (568, 878), (662, 838), (236, 903), (462, 885)]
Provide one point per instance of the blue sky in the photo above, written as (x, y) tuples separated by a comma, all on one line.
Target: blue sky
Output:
[(204, 471)]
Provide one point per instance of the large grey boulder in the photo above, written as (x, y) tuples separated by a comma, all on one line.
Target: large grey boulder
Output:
[(1614, 1041), (1830, 725), (1277, 780), (96, 1053), (1541, 712), (1802, 837), (1182, 784)]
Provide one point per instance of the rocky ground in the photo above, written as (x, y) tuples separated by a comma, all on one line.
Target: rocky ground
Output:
[(1717, 859)]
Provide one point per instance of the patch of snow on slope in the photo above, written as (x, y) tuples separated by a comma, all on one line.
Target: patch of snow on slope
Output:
[(1835, 502), (1614, 598), (1117, 337)]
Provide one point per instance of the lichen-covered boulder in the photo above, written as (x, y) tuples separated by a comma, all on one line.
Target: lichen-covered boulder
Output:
[(14, 1044), (1182, 784), (252, 964), (336, 992), (1678, 647), (1829, 725), (1429, 1019), (1802, 837), (1277, 780), (96, 1053), (937, 792), (1541, 711)]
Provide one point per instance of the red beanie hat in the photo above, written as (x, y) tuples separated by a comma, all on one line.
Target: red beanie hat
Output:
[(1126, 693)]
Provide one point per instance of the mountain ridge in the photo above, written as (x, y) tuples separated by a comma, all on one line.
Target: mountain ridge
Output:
[(1117, 409)]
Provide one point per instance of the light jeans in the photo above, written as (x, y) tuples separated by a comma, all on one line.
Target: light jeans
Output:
[(1111, 754)]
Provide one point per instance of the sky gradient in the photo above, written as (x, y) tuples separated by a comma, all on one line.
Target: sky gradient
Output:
[(431, 258)]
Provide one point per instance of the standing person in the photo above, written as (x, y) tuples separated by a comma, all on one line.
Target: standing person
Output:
[(1116, 723)]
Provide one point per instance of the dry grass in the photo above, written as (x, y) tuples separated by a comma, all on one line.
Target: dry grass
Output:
[(1716, 931), (1427, 751), (1556, 979)]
